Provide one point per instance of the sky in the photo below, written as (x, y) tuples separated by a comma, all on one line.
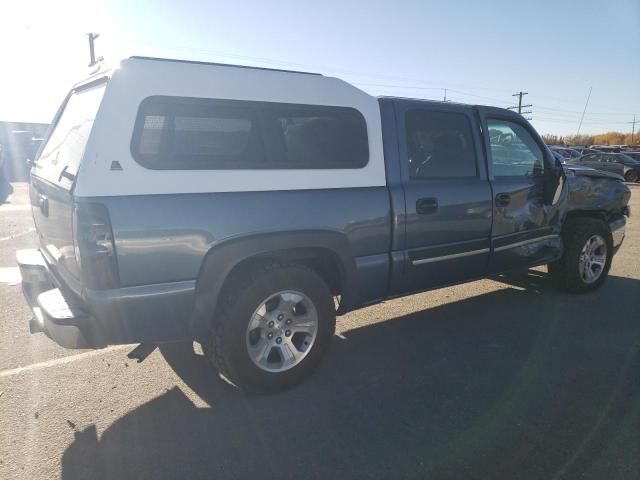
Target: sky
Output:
[(482, 52)]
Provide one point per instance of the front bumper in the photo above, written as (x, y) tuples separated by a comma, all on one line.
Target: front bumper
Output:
[(618, 232), (141, 314)]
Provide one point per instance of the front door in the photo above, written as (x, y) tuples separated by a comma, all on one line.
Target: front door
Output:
[(525, 228), (611, 163), (447, 194)]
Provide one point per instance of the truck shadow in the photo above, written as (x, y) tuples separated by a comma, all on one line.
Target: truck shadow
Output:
[(508, 384)]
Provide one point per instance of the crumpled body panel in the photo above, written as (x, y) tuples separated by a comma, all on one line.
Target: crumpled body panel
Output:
[(596, 191)]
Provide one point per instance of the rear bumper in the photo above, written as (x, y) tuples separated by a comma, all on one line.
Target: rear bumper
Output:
[(142, 314)]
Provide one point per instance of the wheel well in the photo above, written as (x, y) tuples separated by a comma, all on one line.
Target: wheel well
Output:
[(323, 261), (593, 214)]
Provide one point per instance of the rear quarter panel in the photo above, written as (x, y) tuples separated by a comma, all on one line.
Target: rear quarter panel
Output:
[(164, 238)]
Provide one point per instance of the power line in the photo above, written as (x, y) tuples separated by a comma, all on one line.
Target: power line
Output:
[(567, 101), (401, 79), (306, 66), (565, 120)]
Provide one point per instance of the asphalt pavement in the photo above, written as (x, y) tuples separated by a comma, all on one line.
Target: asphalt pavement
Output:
[(497, 379)]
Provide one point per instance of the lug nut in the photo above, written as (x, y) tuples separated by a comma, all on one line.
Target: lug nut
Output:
[(271, 324), (287, 333), (279, 340), (288, 322), (269, 335), (280, 317)]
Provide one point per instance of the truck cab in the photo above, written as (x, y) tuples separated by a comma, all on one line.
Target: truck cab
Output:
[(474, 190)]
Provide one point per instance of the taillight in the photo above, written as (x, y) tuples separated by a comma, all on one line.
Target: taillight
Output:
[(94, 246)]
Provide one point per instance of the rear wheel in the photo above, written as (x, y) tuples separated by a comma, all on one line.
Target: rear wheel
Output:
[(632, 176), (587, 256), (273, 326)]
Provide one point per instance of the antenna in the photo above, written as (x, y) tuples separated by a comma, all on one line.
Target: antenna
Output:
[(92, 53), (584, 111)]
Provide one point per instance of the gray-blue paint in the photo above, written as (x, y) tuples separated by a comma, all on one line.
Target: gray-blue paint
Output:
[(162, 238)]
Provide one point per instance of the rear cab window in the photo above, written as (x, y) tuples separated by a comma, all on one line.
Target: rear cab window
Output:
[(180, 133), (439, 145), (62, 153)]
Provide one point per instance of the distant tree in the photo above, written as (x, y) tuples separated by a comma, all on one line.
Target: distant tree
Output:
[(609, 138), (579, 139), (636, 139)]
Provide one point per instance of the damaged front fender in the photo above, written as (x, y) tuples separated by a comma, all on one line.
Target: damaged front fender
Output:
[(594, 190)]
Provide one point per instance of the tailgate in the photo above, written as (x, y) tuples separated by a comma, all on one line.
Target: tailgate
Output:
[(54, 175), (53, 217)]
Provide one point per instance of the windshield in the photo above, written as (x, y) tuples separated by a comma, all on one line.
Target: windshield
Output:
[(65, 146)]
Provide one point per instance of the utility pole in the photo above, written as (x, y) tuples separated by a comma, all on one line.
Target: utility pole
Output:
[(633, 128), (445, 94), (92, 52), (520, 105)]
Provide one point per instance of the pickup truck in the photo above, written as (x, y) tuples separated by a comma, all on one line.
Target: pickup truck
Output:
[(244, 208)]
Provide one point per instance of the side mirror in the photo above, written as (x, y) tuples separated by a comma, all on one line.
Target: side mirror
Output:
[(561, 177)]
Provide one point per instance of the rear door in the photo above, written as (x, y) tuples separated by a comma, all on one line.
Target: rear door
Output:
[(525, 228), (447, 194), (54, 174)]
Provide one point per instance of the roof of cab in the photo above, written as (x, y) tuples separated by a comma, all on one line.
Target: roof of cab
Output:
[(424, 100)]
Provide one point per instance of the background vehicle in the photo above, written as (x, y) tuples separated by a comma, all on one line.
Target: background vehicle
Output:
[(565, 151), (619, 163), (606, 148), (233, 205), (584, 151), (633, 154), (558, 156)]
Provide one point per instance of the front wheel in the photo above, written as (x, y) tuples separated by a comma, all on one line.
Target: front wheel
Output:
[(588, 251), (273, 327)]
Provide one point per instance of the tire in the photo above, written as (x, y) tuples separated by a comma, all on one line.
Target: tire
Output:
[(246, 300), (567, 271), (632, 176)]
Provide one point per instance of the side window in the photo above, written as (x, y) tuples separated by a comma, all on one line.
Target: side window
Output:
[(514, 152), (594, 157), (177, 133), (308, 136), (439, 145)]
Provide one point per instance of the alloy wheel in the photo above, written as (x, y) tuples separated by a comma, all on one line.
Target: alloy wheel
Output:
[(282, 331), (593, 259)]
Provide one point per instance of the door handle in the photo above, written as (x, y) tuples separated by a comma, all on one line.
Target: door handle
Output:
[(503, 199), (426, 205)]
